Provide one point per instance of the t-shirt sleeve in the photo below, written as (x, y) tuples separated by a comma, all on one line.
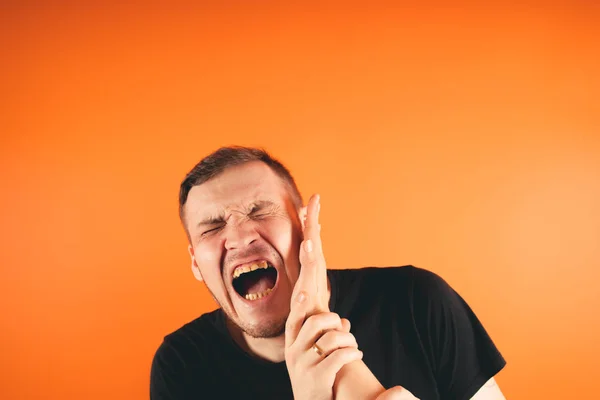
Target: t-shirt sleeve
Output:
[(461, 354), (167, 374), (178, 373)]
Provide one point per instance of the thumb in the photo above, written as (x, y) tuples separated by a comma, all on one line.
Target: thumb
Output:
[(345, 325)]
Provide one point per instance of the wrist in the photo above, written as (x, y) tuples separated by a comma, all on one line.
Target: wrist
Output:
[(355, 380)]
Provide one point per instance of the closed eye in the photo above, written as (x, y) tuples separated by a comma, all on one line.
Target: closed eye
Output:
[(259, 213), (212, 230), (262, 209)]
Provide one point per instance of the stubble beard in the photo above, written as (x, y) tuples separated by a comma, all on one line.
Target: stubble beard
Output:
[(268, 330)]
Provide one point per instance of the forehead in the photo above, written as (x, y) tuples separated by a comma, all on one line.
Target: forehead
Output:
[(236, 186)]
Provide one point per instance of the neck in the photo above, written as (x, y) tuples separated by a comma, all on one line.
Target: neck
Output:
[(270, 349)]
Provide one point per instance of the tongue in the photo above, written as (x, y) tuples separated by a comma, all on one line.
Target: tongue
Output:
[(257, 282), (259, 286)]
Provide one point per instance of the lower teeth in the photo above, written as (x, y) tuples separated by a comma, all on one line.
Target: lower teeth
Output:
[(256, 296)]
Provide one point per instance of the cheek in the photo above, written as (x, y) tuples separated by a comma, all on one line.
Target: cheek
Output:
[(285, 238), (208, 258)]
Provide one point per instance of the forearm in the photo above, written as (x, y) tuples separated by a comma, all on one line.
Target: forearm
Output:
[(356, 381)]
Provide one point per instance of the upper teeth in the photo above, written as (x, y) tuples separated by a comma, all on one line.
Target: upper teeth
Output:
[(249, 267)]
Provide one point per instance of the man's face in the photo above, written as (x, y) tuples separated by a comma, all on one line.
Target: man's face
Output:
[(245, 237)]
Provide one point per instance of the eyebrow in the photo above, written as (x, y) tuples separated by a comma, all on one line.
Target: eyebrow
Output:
[(261, 205), (252, 207), (212, 221)]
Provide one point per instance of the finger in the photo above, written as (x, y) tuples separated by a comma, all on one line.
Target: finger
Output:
[(315, 326), (308, 260), (296, 317), (345, 325), (396, 393), (302, 213), (333, 340), (313, 233), (307, 279), (313, 274), (336, 360), (311, 225)]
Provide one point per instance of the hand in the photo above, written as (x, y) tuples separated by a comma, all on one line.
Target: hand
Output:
[(396, 393), (313, 271), (317, 347)]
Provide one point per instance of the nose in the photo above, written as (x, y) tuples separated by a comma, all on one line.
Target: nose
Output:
[(240, 235)]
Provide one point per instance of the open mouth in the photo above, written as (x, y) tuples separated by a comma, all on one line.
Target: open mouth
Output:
[(255, 280)]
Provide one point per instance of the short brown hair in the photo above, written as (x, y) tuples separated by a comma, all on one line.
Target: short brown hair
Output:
[(225, 157)]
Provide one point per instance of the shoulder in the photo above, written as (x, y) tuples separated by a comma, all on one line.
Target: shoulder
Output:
[(397, 277), (428, 284), (432, 297), (189, 339), (206, 324), (370, 287), (181, 362), (404, 286), (357, 275)]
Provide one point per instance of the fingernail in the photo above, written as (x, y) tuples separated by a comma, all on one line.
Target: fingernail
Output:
[(301, 297), (308, 245)]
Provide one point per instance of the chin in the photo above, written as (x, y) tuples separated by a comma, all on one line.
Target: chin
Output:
[(264, 330)]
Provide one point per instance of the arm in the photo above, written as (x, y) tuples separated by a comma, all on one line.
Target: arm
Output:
[(166, 375), (466, 358), (356, 381), (453, 328), (169, 376), (454, 339), (310, 326), (489, 391), (458, 346)]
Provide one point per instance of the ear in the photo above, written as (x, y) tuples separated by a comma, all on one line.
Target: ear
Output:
[(195, 268), (302, 214)]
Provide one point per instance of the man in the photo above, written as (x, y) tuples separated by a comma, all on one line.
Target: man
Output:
[(283, 327)]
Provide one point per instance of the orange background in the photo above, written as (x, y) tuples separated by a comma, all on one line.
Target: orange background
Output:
[(464, 139)]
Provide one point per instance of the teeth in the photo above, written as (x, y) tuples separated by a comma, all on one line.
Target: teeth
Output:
[(247, 268), (256, 296), (241, 270)]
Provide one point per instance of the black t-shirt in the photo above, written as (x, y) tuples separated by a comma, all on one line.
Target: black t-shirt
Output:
[(413, 328)]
